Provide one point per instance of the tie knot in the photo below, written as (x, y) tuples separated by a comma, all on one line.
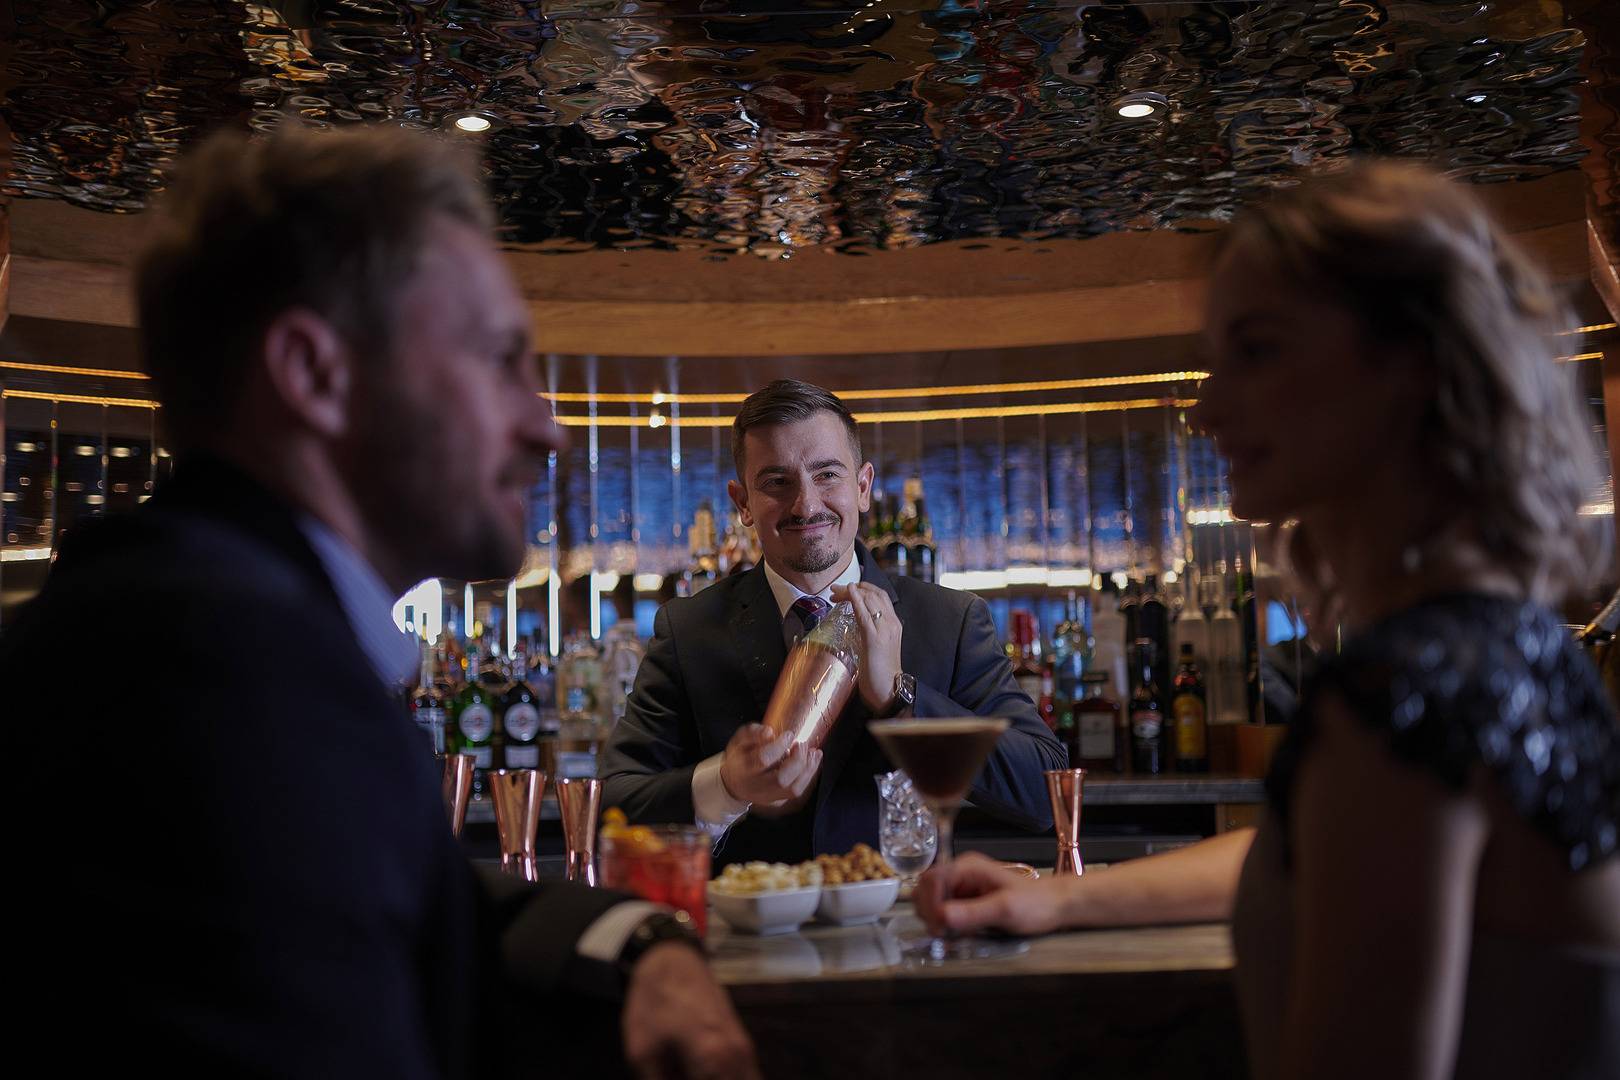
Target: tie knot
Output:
[(811, 610)]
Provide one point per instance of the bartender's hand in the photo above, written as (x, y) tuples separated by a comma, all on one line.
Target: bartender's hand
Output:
[(679, 1023), (880, 657), (974, 892), (768, 771)]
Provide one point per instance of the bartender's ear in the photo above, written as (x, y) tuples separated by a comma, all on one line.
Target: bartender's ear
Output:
[(863, 484), (739, 499)]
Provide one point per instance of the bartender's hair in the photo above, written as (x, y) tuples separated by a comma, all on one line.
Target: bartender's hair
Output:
[(330, 221), (788, 401), (1417, 259)]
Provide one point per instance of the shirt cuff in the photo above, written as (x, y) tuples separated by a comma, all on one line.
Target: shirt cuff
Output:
[(606, 938), (713, 807)]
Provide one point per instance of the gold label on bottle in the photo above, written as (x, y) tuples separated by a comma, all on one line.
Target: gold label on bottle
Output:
[(1189, 713)]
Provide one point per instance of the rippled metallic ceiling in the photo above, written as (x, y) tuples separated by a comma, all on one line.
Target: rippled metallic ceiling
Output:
[(776, 125)]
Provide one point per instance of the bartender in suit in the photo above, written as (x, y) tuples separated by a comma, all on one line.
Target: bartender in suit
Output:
[(690, 747)]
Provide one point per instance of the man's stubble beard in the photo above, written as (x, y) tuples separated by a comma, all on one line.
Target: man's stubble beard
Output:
[(815, 560), (419, 511)]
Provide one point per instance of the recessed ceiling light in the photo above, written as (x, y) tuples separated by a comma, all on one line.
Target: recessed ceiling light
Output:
[(1139, 104), (472, 123)]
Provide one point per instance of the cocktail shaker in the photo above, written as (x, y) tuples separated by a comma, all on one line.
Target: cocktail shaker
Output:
[(817, 679)]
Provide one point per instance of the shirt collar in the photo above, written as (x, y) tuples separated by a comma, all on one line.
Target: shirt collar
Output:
[(367, 604), (786, 592)]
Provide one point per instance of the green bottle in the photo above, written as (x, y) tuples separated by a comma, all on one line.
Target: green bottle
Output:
[(472, 726)]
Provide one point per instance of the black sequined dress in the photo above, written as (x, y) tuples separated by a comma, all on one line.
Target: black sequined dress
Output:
[(1453, 684)]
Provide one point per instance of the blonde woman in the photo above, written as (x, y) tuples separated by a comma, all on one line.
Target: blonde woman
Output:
[(1434, 891)]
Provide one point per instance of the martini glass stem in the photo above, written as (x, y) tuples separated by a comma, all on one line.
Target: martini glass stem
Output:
[(945, 825)]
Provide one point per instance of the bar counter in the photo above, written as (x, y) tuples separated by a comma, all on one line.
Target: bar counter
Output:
[(840, 1001)]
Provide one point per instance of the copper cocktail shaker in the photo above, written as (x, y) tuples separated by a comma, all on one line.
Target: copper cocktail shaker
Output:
[(817, 679)]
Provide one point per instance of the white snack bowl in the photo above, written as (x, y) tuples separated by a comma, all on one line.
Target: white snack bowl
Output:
[(780, 912), (857, 902)]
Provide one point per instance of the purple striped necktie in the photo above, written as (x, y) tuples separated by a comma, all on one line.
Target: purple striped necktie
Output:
[(810, 610)]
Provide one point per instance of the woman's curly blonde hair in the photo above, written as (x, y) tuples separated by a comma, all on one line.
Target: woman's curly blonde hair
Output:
[(1418, 260)]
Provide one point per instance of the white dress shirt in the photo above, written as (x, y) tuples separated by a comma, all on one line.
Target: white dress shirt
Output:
[(714, 808)]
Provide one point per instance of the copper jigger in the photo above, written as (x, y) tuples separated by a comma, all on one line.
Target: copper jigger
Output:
[(1063, 787), (517, 818), (578, 798), (457, 787)]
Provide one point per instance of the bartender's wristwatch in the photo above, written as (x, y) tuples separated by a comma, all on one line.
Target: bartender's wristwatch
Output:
[(655, 929), (905, 693)]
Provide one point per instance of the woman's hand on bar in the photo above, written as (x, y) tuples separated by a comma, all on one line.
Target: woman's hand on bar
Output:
[(678, 1022), (975, 892)]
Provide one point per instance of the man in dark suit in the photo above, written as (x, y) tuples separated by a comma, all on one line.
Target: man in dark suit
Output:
[(690, 746), (242, 865)]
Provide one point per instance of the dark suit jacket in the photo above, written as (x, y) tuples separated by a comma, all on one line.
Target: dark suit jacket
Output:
[(238, 859), (713, 663)]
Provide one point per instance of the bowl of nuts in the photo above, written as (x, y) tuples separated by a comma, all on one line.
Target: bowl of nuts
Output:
[(766, 898), (855, 888)]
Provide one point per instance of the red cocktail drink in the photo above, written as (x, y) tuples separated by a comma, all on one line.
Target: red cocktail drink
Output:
[(667, 864)]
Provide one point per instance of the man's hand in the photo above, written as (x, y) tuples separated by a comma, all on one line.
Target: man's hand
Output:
[(679, 1023), (769, 771), (974, 892), (880, 658)]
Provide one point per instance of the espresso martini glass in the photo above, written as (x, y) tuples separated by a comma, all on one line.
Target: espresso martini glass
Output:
[(943, 757)]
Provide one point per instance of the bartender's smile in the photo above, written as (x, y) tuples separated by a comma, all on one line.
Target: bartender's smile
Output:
[(810, 525)]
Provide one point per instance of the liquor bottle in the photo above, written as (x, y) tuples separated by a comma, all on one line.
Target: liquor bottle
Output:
[(1147, 715), (542, 679), (579, 706), (451, 665), (1192, 627), (1026, 660), (427, 703), (704, 568), (1046, 704), (1108, 639), (892, 556), (1130, 610), (1071, 659), (1189, 717), (520, 718), (1153, 623), (492, 672), (1228, 694), (472, 726), (1098, 745), (621, 659), (924, 552)]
